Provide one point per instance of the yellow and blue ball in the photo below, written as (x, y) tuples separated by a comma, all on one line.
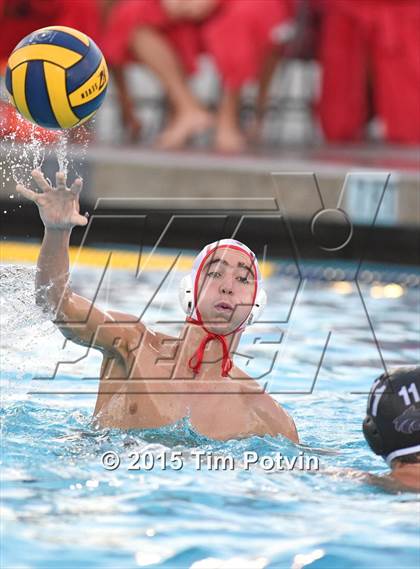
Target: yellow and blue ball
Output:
[(57, 77)]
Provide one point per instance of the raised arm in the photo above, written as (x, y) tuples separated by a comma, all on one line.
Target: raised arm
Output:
[(76, 317)]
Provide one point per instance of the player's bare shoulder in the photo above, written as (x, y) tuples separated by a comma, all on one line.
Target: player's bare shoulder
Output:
[(161, 343), (137, 335), (131, 329), (278, 418), (246, 384), (271, 413)]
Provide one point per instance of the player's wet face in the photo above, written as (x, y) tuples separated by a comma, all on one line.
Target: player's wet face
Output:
[(226, 289)]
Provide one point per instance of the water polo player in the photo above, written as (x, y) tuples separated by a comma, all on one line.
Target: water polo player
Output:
[(392, 424), (149, 379)]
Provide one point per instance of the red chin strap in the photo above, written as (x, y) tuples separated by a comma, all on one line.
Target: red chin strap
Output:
[(197, 359), (199, 354)]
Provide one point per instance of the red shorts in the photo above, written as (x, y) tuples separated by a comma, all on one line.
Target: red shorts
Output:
[(129, 15), (377, 42), (239, 36)]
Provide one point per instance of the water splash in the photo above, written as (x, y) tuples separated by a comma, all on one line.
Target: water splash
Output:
[(38, 150), (24, 325), (20, 158), (24, 147), (17, 297), (61, 152)]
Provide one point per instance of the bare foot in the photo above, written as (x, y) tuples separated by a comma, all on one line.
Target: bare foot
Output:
[(183, 126), (229, 139)]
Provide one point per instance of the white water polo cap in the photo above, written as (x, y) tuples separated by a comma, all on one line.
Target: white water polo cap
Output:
[(188, 289), (188, 295)]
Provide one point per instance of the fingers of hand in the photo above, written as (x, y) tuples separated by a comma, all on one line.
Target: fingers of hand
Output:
[(28, 194), (60, 178), (40, 181), (76, 187)]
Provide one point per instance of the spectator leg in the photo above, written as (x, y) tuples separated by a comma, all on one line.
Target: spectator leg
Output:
[(189, 116), (229, 137), (131, 123), (264, 82), (343, 109), (397, 75)]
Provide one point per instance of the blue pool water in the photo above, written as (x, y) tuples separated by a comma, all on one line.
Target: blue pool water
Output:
[(61, 508)]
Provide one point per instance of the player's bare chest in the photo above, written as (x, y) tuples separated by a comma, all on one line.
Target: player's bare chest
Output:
[(156, 359)]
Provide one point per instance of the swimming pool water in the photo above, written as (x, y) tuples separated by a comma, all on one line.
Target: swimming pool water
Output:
[(61, 508)]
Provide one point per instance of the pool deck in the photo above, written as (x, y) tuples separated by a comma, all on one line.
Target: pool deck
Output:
[(371, 184), (126, 177)]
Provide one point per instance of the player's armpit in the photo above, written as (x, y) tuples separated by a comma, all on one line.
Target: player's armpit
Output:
[(82, 322)]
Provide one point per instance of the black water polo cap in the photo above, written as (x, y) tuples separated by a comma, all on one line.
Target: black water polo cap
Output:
[(392, 423)]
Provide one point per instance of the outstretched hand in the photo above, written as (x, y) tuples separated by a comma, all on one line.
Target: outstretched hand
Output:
[(59, 206)]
